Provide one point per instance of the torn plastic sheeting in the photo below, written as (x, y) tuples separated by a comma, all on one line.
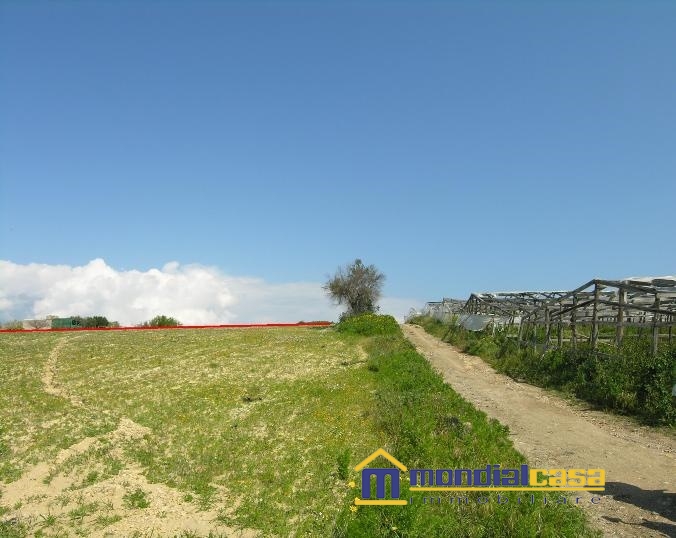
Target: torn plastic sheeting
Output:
[(478, 322), (474, 322)]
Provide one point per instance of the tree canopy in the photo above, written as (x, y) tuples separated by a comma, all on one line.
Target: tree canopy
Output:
[(357, 286), (92, 321), (162, 321)]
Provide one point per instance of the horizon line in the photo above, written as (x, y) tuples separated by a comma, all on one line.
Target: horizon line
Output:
[(141, 328)]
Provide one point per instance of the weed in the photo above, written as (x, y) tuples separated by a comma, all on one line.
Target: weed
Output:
[(63, 499), (13, 529), (343, 460), (113, 466), (90, 479), (9, 472), (4, 447), (83, 510), (49, 520), (106, 520), (136, 499), (223, 517)]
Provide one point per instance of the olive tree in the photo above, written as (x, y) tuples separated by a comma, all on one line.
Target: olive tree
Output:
[(357, 286), (163, 321)]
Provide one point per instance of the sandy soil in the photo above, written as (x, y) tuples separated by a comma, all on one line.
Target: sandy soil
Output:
[(640, 463), (54, 488), (37, 493)]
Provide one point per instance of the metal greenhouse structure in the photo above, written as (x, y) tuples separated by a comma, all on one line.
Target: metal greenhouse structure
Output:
[(600, 310)]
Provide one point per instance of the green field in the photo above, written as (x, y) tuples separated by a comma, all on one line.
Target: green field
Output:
[(236, 432)]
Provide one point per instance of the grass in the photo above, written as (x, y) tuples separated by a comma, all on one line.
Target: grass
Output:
[(261, 428), (34, 424), (252, 418), (428, 425)]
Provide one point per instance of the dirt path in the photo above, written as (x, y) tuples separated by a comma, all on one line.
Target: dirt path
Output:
[(50, 371), (551, 432)]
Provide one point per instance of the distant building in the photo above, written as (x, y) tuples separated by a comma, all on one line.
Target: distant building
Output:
[(65, 323), (51, 322), (32, 324)]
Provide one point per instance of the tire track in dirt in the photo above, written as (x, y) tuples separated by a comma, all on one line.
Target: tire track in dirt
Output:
[(50, 371), (640, 464)]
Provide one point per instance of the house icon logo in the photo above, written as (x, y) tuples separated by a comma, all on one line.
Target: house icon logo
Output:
[(381, 474)]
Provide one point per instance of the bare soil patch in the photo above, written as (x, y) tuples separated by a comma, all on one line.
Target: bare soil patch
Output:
[(67, 492), (56, 488)]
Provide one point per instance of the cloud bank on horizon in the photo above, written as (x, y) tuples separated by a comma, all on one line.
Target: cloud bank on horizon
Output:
[(192, 293)]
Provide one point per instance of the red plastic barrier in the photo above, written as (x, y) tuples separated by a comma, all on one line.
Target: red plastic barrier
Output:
[(227, 326)]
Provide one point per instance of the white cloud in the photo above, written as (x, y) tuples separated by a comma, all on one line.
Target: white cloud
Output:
[(194, 294)]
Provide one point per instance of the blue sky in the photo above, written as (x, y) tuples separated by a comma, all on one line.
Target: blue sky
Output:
[(458, 146)]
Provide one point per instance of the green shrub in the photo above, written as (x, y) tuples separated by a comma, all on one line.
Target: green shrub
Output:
[(162, 321), (654, 393), (369, 325)]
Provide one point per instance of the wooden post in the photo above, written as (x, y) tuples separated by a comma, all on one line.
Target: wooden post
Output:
[(573, 325), (526, 332), (656, 327), (560, 326), (595, 317), (548, 328), (619, 330)]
